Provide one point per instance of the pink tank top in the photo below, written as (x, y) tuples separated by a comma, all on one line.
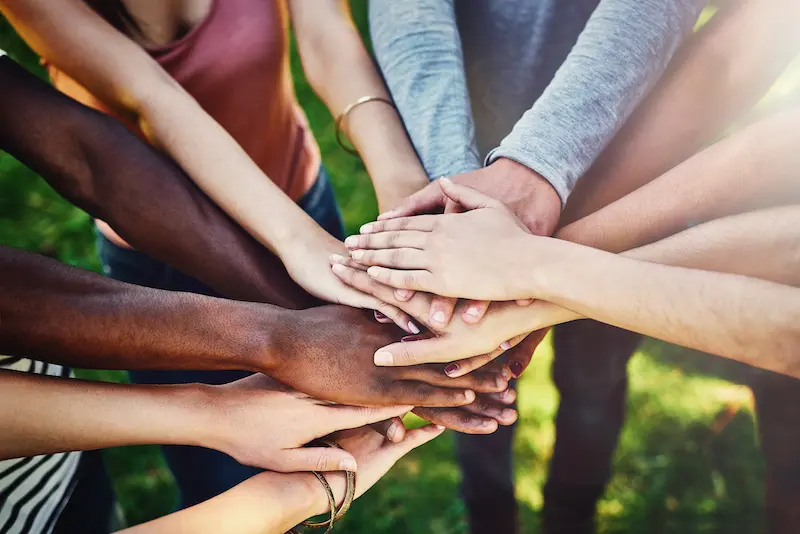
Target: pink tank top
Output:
[(236, 65)]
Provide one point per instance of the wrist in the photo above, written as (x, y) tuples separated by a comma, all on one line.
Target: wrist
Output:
[(262, 336), (546, 260), (542, 203)]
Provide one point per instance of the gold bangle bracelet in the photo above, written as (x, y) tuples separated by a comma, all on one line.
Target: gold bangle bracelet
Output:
[(348, 109), (331, 502)]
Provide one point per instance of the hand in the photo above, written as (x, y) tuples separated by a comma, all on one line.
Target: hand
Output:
[(262, 423), (327, 352), (307, 264), (474, 255), (526, 193), (467, 346)]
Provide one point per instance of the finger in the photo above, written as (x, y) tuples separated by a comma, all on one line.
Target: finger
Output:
[(468, 365), (458, 419), (393, 429), (403, 295), (434, 350), (397, 316), (467, 197), (335, 259), (420, 223), (388, 240), (417, 280), (451, 207), (521, 355), (343, 417), (427, 199), (524, 302), (474, 310), (479, 381), (381, 318), (398, 258), (486, 408), (422, 394), (507, 397), (316, 459), (416, 437), (441, 311)]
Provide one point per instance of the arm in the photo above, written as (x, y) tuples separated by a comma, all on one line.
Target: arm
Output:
[(101, 167), (717, 182), (619, 56), (173, 120), (715, 77), (341, 71), (418, 48)]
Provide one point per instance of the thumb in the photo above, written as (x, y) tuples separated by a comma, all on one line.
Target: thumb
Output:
[(470, 198), (316, 459), (425, 200)]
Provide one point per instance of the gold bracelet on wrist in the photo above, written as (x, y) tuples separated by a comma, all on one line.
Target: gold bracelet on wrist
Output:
[(348, 109)]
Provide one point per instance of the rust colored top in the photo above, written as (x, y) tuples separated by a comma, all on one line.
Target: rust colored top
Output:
[(235, 63)]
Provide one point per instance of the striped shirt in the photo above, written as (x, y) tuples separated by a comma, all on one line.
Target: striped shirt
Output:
[(34, 490)]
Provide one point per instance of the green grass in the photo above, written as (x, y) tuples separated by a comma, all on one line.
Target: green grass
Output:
[(677, 468)]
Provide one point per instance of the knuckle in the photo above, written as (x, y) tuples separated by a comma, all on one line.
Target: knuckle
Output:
[(410, 279), (397, 256), (392, 239)]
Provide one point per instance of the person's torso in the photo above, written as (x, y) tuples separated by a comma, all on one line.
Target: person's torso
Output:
[(512, 49), (235, 63)]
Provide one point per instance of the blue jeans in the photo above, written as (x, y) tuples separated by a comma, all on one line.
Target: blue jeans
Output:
[(202, 473)]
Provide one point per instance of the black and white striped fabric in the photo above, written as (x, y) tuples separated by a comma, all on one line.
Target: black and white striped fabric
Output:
[(34, 490)]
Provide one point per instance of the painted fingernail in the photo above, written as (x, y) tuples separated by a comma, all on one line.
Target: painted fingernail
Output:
[(469, 395), (402, 294), (383, 357), (414, 328), (440, 428), (357, 255), (348, 464), (338, 268), (351, 242), (473, 312), (379, 316), (366, 229), (516, 369), (374, 271), (451, 369), (505, 345), (438, 317), (506, 372)]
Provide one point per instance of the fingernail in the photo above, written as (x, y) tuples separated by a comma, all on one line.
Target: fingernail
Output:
[(336, 258), (438, 317), (351, 242), (348, 464), (508, 413), (392, 432), (402, 294), (380, 316), (469, 395), (516, 369), (338, 268), (383, 357), (373, 271), (505, 345), (357, 254), (500, 382), (366, 229), (451, 369), (473, 312), (414, 328), (439, 428), (506, 372)]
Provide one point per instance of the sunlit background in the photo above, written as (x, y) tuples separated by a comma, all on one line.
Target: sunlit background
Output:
[(688, 459)]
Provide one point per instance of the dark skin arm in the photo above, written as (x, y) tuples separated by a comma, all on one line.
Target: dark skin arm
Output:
[(100, 166)]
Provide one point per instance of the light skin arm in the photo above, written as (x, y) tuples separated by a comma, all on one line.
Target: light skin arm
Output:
[(173, 120), (341, 71), (715, 77)]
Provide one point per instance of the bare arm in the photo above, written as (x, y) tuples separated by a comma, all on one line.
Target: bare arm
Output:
[(753, 169), (101, 167), (715, 77), (341, 71)]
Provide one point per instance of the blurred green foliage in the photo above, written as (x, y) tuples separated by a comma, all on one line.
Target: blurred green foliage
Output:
[(688, 459)]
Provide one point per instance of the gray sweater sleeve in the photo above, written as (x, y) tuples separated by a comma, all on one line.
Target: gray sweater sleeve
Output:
[(428, 83), (619, 56)]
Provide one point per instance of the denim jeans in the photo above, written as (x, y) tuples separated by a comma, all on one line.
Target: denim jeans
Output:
[(202, 473)]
